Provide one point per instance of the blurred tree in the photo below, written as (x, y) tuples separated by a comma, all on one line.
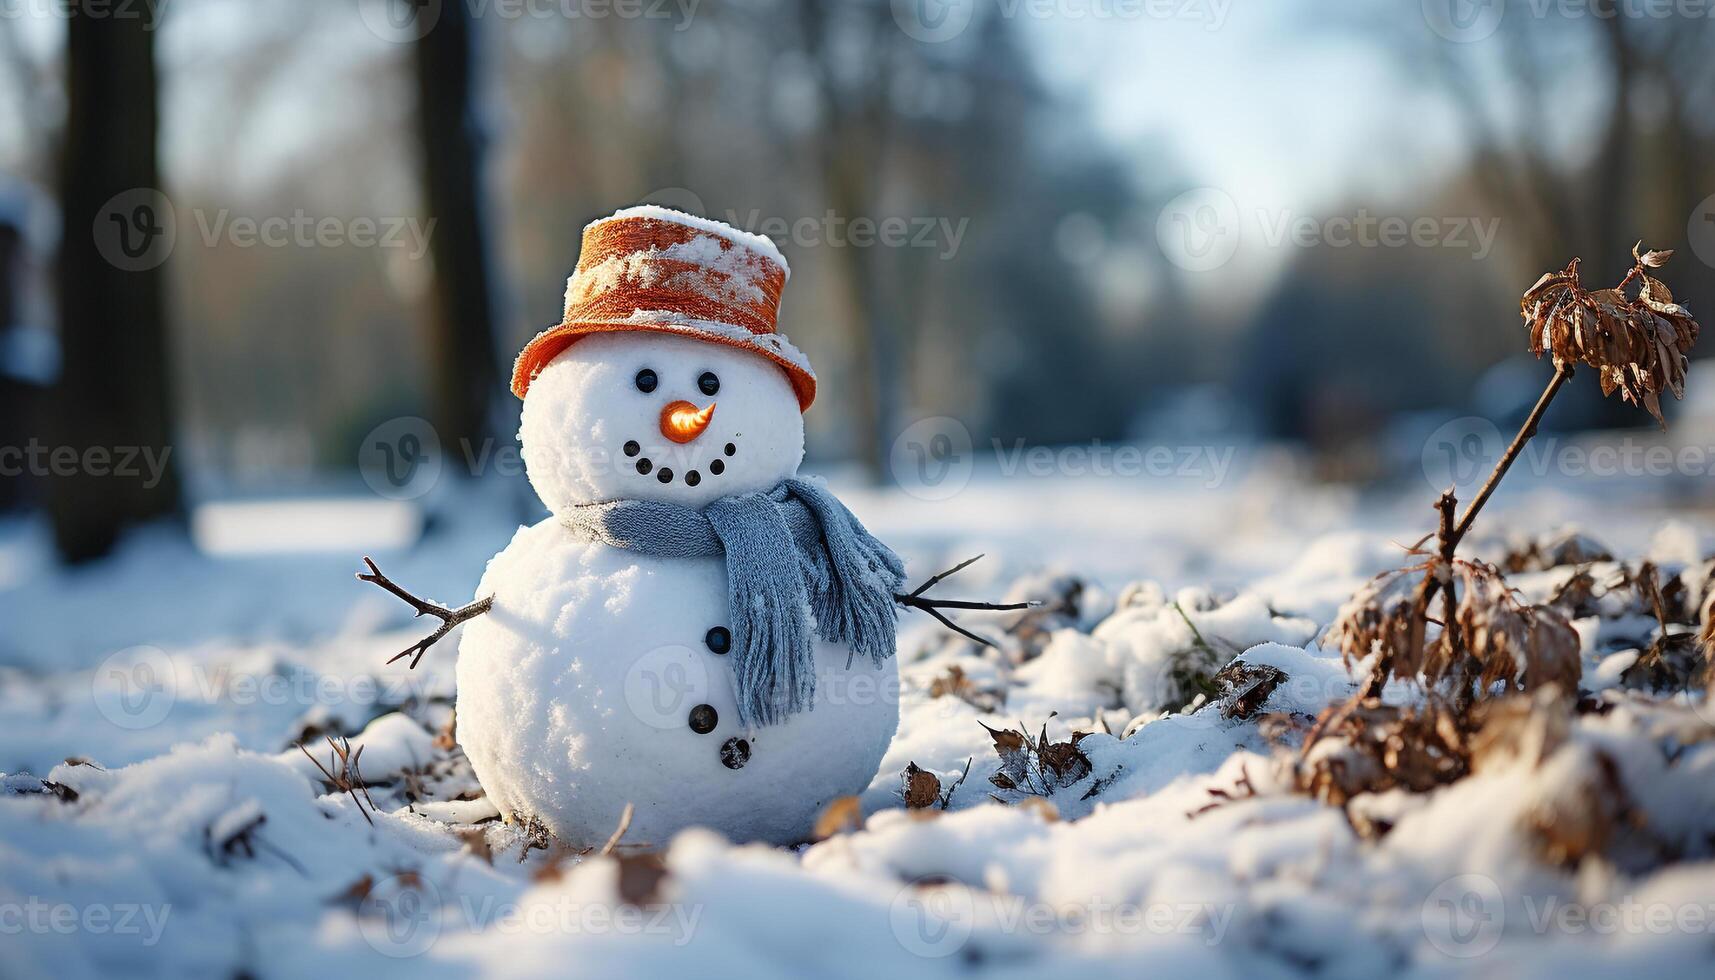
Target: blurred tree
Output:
[(465, 369), (114, 393), (852, 149), (993, 325), (1573, 175), (797, 126), (14, 391), (1577, 184)]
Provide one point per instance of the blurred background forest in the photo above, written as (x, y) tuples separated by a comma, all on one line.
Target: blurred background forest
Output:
[(1117, 221)]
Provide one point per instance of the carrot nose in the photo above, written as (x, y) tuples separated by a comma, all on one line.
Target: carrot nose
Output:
[(682, 421)]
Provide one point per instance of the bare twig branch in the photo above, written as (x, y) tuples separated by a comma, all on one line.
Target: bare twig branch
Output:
[(342, 773), (947, 797), (955, 627), (1561, 376), (915, 599), (937, 578), (1449, 537), (449, 618), (619, 831)]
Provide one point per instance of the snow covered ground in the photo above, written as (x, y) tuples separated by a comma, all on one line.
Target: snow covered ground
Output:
[(160, 820)]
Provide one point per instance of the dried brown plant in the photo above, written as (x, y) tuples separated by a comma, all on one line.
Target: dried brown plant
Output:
[(1036, 766), (1522, 645), (958, 684), (1371, 747), (1512, 668), (342, 774), (1638, 344)]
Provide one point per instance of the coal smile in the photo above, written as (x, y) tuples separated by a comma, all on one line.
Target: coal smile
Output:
[(646, 466)]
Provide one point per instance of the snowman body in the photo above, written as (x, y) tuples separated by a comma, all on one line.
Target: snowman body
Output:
[(602, 677)]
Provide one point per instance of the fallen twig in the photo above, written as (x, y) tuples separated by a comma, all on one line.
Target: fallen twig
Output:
[(343, 774), (619, 831)]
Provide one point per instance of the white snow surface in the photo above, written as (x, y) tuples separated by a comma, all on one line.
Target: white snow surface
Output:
[(157, 818)]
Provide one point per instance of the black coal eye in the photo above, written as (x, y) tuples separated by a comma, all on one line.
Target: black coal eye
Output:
[(707, 383), (646, 381)]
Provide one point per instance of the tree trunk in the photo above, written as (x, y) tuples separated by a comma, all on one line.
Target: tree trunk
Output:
[(463, 361), (15, 417), (113, 401)]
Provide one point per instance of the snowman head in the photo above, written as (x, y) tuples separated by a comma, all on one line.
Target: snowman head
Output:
[(666, 379), (652, 416)]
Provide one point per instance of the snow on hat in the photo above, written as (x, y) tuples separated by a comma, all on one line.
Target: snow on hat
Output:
[(653, 269)]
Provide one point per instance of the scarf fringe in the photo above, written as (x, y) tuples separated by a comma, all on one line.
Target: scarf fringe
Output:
[(799, 565)]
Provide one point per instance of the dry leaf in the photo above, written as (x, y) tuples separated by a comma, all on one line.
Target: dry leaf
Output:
[(1041, 807), (1371, 747), (1039, 767), (1542, 554), (354, 893), (640, 877), (1525, 728), (841, 816), (956, 683), (1246, 687), (1653, 258), (1525, 646), (1637, 346), (476, 839), (1706, 637), (922, 788)]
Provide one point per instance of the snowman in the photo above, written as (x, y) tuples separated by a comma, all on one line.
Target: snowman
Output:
[(695, 634)]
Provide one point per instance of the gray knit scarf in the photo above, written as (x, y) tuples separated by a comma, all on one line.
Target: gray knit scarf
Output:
[(797, 562)]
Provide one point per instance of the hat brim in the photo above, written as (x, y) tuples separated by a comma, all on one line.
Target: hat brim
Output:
[(553, 341)]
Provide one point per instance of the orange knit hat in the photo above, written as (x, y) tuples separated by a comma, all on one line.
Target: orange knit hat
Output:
[(653, 269)]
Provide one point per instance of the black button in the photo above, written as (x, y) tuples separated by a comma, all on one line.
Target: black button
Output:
[(735, 752), (632, 448), (707, 383), (717, 467), (719, 639), (703, 719), (644, 466), (693, 478), (646, 381), (665, 476), (731, 449)]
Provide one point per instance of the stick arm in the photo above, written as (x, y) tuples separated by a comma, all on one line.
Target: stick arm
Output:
[(449, 618), (915, 599)]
